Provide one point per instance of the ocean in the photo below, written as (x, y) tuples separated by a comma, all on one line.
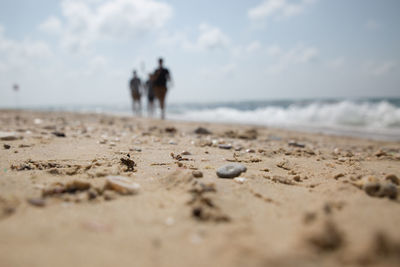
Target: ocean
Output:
[(375, 118)]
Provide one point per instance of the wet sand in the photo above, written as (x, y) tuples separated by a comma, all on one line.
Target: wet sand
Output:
[(305, 200)]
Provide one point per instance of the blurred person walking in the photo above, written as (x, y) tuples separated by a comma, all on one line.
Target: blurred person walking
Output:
[(150, 95), (135, 85), (160, 79)]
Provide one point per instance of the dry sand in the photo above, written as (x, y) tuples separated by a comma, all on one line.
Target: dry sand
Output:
[(330, 203)]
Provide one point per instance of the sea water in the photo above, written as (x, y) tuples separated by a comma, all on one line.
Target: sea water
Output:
[(377, 118)]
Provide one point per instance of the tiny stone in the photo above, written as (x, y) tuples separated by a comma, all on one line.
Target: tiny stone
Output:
[(337, 176), (240, 180), (6, 146), (295, 144), (297, 178), (250, 150), (372, 188), (392, 178), (38, 202), (231, 170), (186, 153), (388, 190), (201, 130), (197, 174), (59, 134), (9, 136), (225, 146)]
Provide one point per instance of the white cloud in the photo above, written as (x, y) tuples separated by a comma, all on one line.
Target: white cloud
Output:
[(278, 8), (380, 68), (88, 21), (217, 72), (209, 38), (51, 25), (21, 54), (298, 55)]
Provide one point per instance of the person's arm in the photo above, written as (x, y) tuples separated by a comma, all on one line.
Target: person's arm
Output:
[(170, 80)]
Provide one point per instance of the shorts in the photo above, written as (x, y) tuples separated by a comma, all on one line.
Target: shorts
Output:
[(160, 92)]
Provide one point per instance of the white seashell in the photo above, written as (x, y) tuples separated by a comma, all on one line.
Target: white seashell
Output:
[(122, 185), (240, 180)]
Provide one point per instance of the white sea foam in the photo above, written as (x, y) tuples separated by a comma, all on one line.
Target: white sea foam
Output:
[(379, 119)]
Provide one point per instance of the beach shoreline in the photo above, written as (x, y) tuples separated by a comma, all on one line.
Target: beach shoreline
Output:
[(305, 198)]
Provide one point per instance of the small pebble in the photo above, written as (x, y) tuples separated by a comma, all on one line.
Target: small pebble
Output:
[(38, 202), (337, 176), (59, 134), (201, 130), (250, 150), (6, 146), (9, 136), (392, 178), (372, 188), (231, 170), (388, 190), (297, 178), (197, 174), (240, 180), (295, 144), (225, 146), (186, 153)]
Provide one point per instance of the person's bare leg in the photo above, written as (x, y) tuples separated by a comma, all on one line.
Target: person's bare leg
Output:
[(162, 106)]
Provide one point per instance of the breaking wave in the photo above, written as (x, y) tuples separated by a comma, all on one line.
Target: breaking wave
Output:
[(374, 119)]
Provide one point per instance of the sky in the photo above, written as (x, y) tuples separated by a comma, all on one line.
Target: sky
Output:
[(84, 51)]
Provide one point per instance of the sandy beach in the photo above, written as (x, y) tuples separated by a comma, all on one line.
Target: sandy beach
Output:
[(101, 190)]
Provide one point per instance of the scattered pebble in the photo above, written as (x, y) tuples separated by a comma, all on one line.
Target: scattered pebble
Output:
[(197, 174), (231, 170), (201, 130), (388, 190), (337, 176), (9, 136), (225, 146), (38, 202), (59, 134), (37, 121), (186, 153), (295, 144), (250, 150), (130, 164), (282, 180), (122, 185), (6, 146), (172, 142), (171, 130), (240, 180), (392, 178), (297, 178), (375, 188), (284, 165)]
